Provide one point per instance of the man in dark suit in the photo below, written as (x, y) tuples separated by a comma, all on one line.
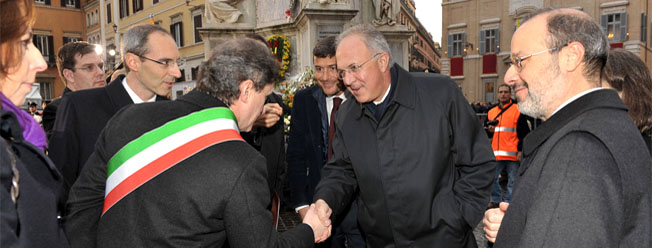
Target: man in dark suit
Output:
[(585, 176), (309, 146), (80, 67), (152, 66), (179, 174), (412, 146)]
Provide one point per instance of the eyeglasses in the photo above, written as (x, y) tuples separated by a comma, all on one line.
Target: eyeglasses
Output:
[(518, 62), (354, 69), (166, 62), (90, 67)]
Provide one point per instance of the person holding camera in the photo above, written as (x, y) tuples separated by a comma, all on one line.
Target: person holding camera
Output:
[(502, 125)]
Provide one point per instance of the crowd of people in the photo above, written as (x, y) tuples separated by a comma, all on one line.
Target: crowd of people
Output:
[(377, 156)]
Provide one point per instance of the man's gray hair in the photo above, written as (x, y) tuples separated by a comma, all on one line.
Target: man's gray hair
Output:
[(235, 61), (373, 39), (135, 40), (564, 27)]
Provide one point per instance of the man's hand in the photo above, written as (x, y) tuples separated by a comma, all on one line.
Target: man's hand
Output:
[(271, 114), (320, 229), (492, 219), (490, 128), (519, 157), (303, 212), (323, 211)]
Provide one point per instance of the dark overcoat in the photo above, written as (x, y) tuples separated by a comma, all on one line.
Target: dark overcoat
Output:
[(79, 120), (424, 170), (216, 197), (32, 221), (584, 181)]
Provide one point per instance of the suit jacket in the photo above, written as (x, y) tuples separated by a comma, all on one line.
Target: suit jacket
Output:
[(584, 180), (308, 144), (271, 143), (50, 113), (217, 196), (80, 120), (424, 170), (32, 220)]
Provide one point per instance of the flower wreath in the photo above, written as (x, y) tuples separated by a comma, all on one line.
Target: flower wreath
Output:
[(280, 43)]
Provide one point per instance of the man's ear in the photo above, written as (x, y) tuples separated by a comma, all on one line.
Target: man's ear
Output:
[(132, 61), (570, 58), (246, 90), (68, 75), (383, 62)]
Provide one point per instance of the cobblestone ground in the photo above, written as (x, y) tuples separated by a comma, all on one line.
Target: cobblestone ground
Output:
[(288, 219)]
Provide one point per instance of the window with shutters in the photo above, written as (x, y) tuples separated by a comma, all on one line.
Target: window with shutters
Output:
[(45, 45), (456, 43), (108, 13), (124, 8), (138, 5), (70, 39), (45, 90), (489, 41), (643, 28), (176, 30), (197, 23), (70, 3), (615, 26), (194, 73)]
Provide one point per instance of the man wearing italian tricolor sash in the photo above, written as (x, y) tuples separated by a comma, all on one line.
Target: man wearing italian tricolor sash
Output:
[(178, 173)]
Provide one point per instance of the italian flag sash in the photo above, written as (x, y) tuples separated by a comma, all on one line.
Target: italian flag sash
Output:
[(158, 150)]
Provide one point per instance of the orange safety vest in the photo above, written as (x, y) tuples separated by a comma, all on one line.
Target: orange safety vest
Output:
[(505, 140)]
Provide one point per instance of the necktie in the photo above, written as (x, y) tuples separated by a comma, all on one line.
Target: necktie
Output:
[(331, 126)]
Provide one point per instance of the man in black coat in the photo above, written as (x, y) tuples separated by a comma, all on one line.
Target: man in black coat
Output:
[(152, 68), (207, 188), (585, 177), (80, 67), (412, 146)]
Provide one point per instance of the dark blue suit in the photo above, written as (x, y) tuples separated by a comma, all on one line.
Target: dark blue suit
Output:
[(307, 146), (307, 153)]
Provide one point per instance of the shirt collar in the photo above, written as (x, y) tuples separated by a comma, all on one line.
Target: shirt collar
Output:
[(574, 98), (134, 97)]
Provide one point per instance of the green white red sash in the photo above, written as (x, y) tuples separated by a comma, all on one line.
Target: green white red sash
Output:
[(158, 150)]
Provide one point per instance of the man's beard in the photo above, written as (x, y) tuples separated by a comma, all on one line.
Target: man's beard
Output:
[(534, 104)]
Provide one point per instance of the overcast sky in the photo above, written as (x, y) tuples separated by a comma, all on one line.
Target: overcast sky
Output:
[(429, 14)]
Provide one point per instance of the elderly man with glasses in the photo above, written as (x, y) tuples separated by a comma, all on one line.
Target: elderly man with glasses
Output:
[(411, 145), (151, 60), (585, 176)]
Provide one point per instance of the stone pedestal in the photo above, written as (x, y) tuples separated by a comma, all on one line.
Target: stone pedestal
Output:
[(310, 20)]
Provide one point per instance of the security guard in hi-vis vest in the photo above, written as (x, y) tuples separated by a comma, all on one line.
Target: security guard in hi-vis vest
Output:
[(502, 122)]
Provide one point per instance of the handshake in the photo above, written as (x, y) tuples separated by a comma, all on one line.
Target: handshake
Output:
[(318, 217)]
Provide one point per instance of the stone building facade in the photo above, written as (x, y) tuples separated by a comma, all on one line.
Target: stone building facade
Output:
[(476, 35)]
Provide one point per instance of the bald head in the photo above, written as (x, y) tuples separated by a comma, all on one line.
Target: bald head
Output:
[(564, 26)]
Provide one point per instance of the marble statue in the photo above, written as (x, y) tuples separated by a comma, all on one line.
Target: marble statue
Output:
[(386, 12), (222, 11)]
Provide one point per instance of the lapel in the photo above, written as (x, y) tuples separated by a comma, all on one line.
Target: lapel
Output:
[(118, 96), (320, 101), (594, 100)]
